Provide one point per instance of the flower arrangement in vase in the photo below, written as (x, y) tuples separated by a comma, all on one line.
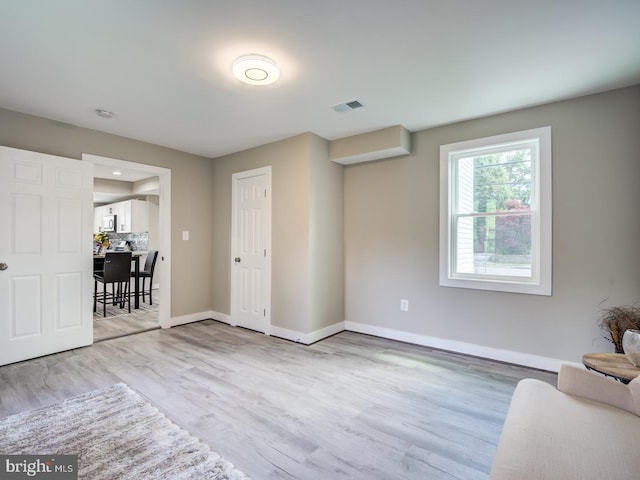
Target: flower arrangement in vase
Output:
[(102, 240)]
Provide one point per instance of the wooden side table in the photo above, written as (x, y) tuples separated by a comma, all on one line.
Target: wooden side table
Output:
[(613, 365)]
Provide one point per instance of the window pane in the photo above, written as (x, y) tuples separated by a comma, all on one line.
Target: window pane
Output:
[(495, 213), (494, 245), (494, 182)]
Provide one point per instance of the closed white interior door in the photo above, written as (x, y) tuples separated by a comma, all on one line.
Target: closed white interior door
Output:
[(46, 219), (251, 259)]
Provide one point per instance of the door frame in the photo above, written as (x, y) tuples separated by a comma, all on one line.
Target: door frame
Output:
[(234, 247), (164, 219)]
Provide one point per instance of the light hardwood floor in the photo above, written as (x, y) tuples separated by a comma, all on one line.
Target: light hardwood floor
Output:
[(349, 407), (119, 322)]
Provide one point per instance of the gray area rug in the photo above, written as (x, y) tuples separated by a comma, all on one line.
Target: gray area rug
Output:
[(117, 435)]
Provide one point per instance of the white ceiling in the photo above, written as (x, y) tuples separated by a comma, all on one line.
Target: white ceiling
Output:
[(126, 175), (164, 67), (102, 195)]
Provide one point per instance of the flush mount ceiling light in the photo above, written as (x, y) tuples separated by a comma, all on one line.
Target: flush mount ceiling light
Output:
[(117, 173), (256, 70)]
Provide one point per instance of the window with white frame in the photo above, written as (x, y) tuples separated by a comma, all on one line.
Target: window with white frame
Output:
[(495, 213)]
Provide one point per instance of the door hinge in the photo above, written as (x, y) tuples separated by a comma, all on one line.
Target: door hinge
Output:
[(265, 252), (265, 193), (265, 312)]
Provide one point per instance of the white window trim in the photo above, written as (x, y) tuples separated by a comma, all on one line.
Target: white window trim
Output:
[(541, 285)]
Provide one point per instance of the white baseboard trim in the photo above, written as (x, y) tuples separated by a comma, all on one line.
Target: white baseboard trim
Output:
[(325, 332), (508, 356), (221, 317), (287, 334), (306, 338), (192, 317)]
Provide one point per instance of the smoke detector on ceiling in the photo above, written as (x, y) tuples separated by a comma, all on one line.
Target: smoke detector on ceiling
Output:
[(101, 112), (347, 106)]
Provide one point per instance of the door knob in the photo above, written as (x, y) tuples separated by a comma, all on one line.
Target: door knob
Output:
[(237, 259), (3, 266)]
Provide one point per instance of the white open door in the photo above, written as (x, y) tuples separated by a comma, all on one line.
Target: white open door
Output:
[(46, 285), (251, 244)]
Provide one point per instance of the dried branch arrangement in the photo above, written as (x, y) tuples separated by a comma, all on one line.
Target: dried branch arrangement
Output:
[(615, 321)]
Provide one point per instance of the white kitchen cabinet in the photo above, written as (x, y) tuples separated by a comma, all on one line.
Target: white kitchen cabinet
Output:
[(98, 214), (132, 216), (117, 209), (106, 210), (113, 209)]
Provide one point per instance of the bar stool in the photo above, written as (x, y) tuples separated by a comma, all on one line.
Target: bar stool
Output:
[(147, 272), (117, 270)]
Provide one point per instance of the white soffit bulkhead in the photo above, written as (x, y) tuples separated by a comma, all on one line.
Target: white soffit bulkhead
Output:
[(366, 147)]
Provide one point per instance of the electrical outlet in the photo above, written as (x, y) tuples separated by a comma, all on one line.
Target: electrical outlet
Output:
[(404, 305)]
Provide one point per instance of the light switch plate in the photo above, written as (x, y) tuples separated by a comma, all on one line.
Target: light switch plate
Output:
[(185, 235), (404, 305)]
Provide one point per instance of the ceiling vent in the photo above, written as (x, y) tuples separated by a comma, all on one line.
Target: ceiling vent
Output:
[(347, 106)]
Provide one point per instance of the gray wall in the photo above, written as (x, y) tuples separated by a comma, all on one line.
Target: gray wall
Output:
[(391, 234), (305, 296), (326, 238), (289, 160), (191, 194), (391, 210)]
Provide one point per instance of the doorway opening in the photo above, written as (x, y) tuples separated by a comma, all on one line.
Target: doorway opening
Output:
[(147, 190)]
